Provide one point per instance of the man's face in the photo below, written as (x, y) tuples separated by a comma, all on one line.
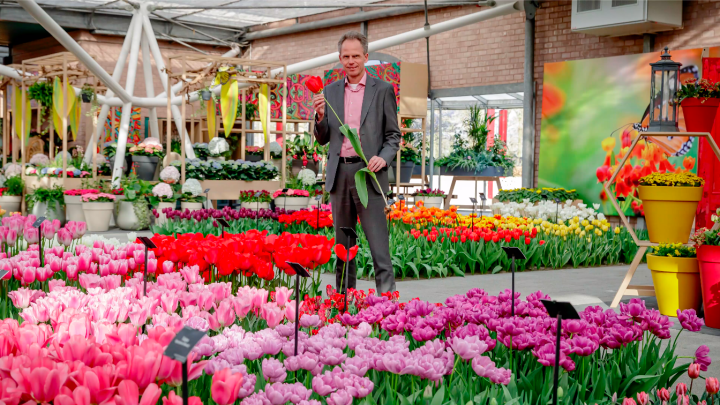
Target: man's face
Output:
[(352, 57)]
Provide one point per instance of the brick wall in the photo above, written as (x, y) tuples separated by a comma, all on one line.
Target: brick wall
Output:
[(554, 42), (490, 52)]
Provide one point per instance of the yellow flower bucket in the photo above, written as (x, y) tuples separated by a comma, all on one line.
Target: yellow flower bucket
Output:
[(677, 283), (669, 212)]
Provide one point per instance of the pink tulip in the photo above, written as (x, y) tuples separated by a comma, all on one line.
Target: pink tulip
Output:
[(80, 249), (56, 225), (152, 266), (225, 386), (28, 275), (282, 294), (272, 314), (48, 230), (290, 312), (12, 237), (64, 237), (128, 393), (260, 298), (23, 297), (168, 267), (681, 389), (243, 304), (191, 274), (225, 313), (43, 273), (32, 235), (139, 256), (55, 264), (55, 285), (72, 272), (173, 399)]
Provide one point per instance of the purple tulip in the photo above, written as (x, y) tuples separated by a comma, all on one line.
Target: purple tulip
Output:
[(332, 356), (689, 320), (273, 370), (702, 357)]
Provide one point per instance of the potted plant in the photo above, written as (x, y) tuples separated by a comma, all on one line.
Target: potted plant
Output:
[(145, 157), (707, 242), (87, 93), (47, 202), (430, 198), (192, 198), (11, 194), (98, 209), (675, 276), (254, 153), (477, 159), (201, 150), (304, 151), (74, 203), (291, 199), (670, 201), (218, 149), (162, 197), (699, 101), (255, 200), (276, 155), (131, 205), (110, 148)]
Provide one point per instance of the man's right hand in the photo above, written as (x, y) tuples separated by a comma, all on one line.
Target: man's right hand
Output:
[(319, 106)]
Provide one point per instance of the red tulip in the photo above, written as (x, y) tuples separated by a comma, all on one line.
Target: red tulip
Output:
[(712, 386), (663, 394), (341, 252), (315, 84), (694, 371)]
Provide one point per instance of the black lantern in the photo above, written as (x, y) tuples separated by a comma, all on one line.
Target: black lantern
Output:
[(663, 89)]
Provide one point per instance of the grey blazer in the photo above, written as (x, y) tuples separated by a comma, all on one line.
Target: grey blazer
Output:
[(379, 131)]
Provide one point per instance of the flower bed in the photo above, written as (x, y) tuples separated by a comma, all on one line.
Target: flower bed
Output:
[(534, 195)]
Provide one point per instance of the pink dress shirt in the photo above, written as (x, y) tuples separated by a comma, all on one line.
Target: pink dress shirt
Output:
[(353, 110)]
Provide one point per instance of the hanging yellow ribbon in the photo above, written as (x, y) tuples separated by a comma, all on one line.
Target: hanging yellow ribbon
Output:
[(228, 105), (211, 114), (263, 97), (75, 116), (58, 100), (17, 112)]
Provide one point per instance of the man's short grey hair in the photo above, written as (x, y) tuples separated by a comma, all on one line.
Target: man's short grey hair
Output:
[(354, 35)]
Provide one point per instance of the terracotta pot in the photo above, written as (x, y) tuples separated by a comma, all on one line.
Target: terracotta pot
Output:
[(97, 215), (699, 115), (11, 203), (709, 264), (73, 208)]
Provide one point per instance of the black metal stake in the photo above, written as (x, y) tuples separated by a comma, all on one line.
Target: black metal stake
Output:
[(347, 268), (297, 309), (185, 383), (556, 372), (145, 273), (512, 299)]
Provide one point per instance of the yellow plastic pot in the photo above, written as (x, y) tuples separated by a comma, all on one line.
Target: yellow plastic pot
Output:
[(669, 212), (677, 283)]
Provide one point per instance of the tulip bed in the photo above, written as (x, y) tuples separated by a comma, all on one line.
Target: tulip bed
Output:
[(430, 242), (82, 327)]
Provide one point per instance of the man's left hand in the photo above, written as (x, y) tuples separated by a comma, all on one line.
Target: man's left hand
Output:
[(376, 163)]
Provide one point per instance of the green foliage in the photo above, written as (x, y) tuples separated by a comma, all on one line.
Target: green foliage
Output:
[(478, 130), (135, 189), (518, 195), (304, 145), (702, 89), (42, 92), (15, 186), (47, 195), (229, 170)]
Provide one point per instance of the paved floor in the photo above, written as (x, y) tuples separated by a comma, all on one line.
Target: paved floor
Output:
[(582, 287)]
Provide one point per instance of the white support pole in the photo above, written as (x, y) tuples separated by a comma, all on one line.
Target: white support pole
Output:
[(160, 65), (117, 74), (127, 108), (149, 89), (66, 40)]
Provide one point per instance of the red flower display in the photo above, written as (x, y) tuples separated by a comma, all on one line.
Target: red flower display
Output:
[(342, 253)]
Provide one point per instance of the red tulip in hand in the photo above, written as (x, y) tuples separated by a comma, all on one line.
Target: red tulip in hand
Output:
[(315, 84)]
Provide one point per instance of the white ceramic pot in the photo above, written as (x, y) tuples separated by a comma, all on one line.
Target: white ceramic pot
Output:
[(292, 203), (192, 206), (127, 219), (254, 206), (430, 202), (74, 209), (97, 215), (161, 219), (10, 203), (49, 211)]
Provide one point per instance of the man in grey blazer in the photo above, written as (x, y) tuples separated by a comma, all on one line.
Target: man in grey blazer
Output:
[(368, 105)]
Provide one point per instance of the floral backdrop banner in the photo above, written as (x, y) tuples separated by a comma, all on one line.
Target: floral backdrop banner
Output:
[(592, 111), (112, 125), (299, 104), (389, 72)]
